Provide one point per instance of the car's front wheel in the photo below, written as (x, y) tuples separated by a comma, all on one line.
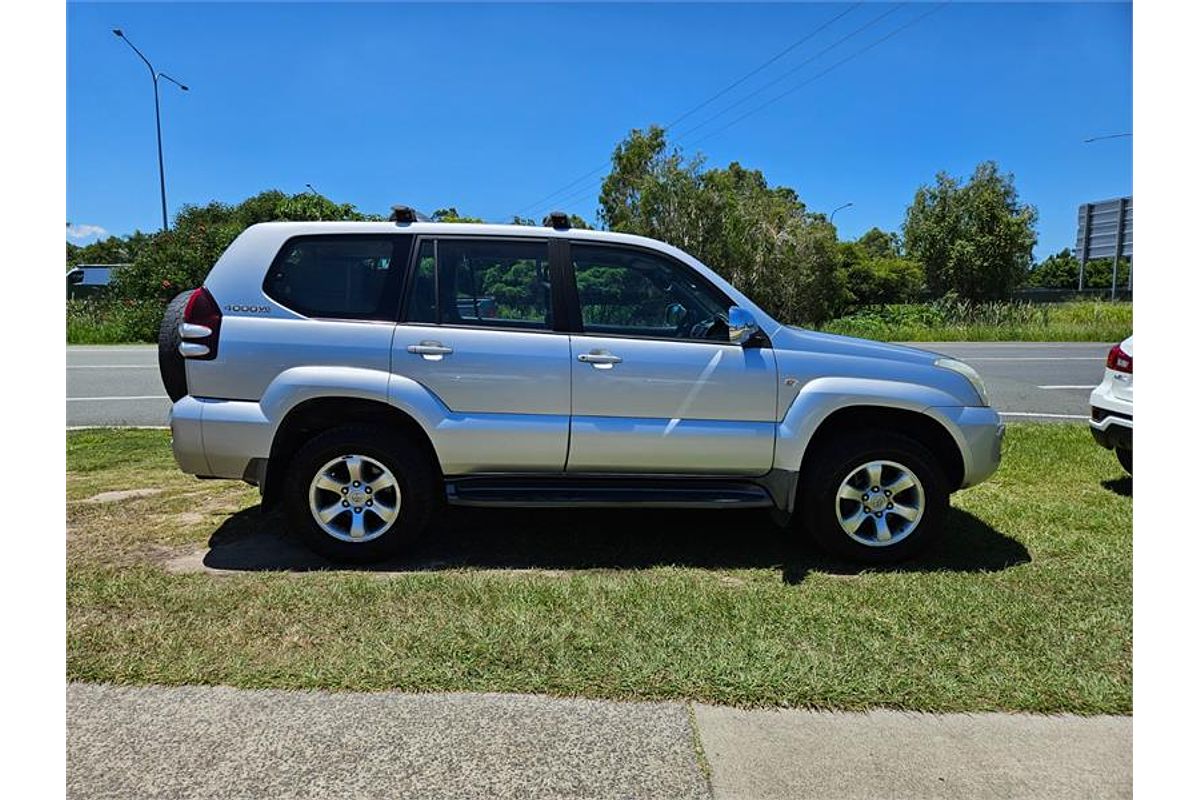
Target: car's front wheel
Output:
[(874, 496), (1125, 457), (359, 493)]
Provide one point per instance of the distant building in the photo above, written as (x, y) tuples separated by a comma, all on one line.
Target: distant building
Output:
[(89, 280)]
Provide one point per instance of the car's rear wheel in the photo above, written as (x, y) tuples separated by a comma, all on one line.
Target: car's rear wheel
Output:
[(171, 367), (1125, 456), (359, 493), (875, 497)]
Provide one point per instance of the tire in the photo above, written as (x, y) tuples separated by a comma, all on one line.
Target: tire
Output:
[(845, 461), (1125, 456), (407, 468), (171, 367)]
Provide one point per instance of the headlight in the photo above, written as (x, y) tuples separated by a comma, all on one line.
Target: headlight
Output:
[(968, 372)]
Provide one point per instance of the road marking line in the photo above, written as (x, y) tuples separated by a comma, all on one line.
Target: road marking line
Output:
[(130, 397), (969, 359), (1038, 414), (119, 427), (1066, 386), (112, 366)]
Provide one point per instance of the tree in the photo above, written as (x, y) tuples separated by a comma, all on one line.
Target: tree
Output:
[(760, 238), (111, 250), (451, 215), (179, 258), (975, 239), (1061, 271), (879, 244)]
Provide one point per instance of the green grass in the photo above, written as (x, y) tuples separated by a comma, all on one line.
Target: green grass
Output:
[(1077, 321), (1026, 605)]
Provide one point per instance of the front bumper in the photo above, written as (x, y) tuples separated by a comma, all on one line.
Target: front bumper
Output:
[(979, 434)]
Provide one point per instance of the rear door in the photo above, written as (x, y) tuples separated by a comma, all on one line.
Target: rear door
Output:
[(657, 387), (479, 333)]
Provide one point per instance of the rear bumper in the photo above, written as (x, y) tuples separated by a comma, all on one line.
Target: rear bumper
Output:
[(1111, 430), (219, 438)]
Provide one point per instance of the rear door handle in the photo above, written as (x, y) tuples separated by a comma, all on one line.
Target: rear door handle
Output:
[(600, 359), (430, 350)]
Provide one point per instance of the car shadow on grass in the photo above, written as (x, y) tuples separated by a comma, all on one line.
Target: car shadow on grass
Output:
[(583, 539), (1122, 486)]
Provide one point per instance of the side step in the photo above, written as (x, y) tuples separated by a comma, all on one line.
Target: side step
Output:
[(639, 492)]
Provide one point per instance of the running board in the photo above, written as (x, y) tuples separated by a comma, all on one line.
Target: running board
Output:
[(638, 492)]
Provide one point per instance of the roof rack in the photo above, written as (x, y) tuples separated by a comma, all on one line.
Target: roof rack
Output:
[(402, 213), (557, 220)]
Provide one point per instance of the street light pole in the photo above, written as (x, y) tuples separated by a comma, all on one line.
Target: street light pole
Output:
[(154, 76), (839, 208)]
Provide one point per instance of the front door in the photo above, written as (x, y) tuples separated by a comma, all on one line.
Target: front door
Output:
[(657, 387)]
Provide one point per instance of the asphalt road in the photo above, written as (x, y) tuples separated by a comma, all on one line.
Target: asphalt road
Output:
[(132, 742), (119, 385)]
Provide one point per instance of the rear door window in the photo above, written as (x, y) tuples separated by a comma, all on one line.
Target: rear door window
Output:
[(482, 283), (340, 277)]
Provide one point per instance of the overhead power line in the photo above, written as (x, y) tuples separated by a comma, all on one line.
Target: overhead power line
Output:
[(825, 71), (870, 23), (1109, 136), (761, 67), (596, 185), (696, 108)]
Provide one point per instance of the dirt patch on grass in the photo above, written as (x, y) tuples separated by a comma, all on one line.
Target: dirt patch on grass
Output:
[(124, 494)]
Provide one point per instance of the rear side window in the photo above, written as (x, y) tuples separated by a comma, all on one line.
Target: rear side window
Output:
[(481, 282), (342, 277)]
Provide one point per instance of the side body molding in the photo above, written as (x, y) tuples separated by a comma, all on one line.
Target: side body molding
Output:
[(823, 396)]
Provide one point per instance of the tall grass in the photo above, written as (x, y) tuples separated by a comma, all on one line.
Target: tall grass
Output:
[(961, 320)]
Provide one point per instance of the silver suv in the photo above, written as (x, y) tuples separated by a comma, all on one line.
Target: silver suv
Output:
[(362, 374)]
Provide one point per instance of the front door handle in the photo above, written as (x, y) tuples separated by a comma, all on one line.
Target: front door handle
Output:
[(600, 359), (430, 350)]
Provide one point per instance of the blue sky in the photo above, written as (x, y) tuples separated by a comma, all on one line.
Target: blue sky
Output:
[(490, 108)]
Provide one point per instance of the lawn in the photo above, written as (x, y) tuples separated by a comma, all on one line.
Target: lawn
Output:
[(1026, 605)]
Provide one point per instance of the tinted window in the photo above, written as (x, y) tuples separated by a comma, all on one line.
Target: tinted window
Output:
[(422, 294), (634, 293), (347, 277), (481, 282)]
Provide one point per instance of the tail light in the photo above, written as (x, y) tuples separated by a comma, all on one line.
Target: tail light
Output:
[(201, 326), (1119, 360)]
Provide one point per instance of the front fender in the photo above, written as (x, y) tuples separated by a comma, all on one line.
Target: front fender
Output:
[(823, 396)]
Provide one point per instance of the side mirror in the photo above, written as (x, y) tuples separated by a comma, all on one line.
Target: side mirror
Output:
[(742, 326)]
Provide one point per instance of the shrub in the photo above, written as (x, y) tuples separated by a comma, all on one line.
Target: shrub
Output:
[(954, 319), (106, 320)]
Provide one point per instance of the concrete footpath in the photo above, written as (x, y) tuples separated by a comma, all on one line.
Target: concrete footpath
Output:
[(193, 742)]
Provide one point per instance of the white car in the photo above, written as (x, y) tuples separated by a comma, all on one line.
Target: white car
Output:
[(1112, 404)]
